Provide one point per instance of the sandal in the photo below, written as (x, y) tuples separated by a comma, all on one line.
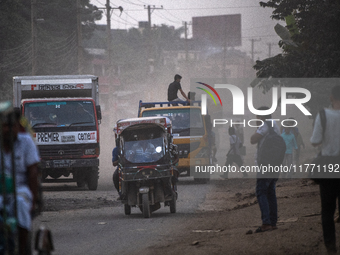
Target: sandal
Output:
[(263, 228)]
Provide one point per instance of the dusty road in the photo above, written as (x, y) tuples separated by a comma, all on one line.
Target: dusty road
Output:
[(211, 219), (93, 222)]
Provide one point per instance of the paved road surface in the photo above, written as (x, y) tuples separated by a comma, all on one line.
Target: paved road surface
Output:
[(93, 222)]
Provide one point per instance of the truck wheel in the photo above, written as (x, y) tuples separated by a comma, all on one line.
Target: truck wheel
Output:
[(81, 184), (146, 205), (173, 203), (92, 179), (127, 209)]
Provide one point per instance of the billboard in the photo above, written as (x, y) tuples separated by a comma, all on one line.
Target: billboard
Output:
[(222, 30)]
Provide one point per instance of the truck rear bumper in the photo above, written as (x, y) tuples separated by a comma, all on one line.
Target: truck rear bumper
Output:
[(70, 163)]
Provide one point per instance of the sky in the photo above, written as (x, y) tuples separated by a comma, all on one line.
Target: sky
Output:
[(256, 22)]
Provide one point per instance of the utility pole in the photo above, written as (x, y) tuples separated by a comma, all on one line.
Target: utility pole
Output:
[(34, 35), (150, 10), (270, 49), (108, 32), (186, 41), (79, 39), (109, 10), (149, 52), (252, 48)]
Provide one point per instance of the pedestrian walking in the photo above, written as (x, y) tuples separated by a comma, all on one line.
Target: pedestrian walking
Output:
[(26, 158), (291, 144), (233, 155), (328, 138)]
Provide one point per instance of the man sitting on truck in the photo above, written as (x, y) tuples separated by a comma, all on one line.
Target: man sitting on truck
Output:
[(173, 89)]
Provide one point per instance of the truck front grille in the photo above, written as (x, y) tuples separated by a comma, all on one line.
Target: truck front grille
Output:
[(61, 152)]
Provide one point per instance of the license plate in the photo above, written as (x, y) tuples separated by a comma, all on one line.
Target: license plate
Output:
[(61, 163)]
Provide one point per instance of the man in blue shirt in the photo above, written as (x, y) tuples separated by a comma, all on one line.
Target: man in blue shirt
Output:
[(290, 141), (115, 157)]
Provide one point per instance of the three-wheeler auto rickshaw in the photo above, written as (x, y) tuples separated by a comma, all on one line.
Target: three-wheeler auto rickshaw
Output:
[(147, 171)]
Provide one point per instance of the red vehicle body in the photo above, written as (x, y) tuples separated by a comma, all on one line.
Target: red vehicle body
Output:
[(64, 113)]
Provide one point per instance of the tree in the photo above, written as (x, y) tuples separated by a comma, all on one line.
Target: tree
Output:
[(317, 50), (57, 34), (56, 39)]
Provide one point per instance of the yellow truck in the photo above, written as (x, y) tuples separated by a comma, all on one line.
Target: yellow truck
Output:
[(191, 134)]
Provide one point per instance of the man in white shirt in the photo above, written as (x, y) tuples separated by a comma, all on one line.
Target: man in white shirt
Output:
[(26, 158), (329, 139)]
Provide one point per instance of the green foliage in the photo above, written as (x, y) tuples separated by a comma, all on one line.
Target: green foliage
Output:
[(56, 38), (318, 51), (316, 34)]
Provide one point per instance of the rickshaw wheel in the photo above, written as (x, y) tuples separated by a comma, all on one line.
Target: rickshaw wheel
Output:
[(146, 205), (127, 209), (173, 203)]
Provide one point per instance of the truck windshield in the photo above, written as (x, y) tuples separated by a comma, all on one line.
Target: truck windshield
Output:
[(60, 113), (184, 121)]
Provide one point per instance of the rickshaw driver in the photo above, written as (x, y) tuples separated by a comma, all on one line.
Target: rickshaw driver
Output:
[(143, 149), (115, 157)]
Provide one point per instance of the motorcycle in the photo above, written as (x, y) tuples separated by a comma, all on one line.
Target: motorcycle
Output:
[(147, 171)]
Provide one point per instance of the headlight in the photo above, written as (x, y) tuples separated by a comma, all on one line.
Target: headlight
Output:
[(90, 151)]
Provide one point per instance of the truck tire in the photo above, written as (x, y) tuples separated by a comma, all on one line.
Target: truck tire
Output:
[(146, 205), (81, 184), (127, 209), (92, 179)]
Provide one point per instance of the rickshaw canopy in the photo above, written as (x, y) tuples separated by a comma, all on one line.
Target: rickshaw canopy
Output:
[(162, 122)]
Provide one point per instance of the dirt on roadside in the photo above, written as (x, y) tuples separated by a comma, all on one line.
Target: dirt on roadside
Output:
[(230, 215)]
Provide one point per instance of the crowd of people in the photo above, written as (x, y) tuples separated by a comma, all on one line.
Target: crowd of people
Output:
[(326, 135)]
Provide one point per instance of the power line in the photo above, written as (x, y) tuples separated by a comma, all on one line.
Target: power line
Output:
[(207, 8)]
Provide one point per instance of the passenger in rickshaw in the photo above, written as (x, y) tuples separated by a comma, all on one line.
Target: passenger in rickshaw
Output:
[(143, 150)]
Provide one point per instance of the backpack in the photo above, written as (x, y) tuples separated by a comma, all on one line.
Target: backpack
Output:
[(273, 149)]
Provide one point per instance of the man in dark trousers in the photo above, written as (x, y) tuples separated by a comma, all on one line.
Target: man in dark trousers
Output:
[(174, 88), (265, 187), (329, 139)]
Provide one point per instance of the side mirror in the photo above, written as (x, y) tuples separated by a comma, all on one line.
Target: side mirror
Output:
[(99, 112)]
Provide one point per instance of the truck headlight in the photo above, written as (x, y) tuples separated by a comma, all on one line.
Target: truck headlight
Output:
[(90, 151)]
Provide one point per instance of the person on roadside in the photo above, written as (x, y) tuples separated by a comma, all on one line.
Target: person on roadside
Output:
[(291, 144), (265, 187), (26, 156), (173, 89), (329, 140), (233, 156), (299, 141)]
